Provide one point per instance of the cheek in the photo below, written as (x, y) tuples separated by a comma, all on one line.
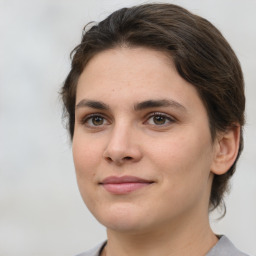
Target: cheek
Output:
[(86, 160), (184, 160), (181, 149), (86, 156), (184, 169)]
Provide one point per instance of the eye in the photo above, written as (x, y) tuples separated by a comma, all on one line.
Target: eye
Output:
[(159, 119), (94, 120)]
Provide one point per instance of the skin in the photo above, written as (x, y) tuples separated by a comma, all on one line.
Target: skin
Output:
[(169, 145)]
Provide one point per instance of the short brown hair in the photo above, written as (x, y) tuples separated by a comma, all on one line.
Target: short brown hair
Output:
[(200, 53)]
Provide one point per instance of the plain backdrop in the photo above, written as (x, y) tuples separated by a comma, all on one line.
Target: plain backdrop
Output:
[(41, 212)]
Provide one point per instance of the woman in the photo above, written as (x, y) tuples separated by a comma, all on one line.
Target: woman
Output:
[(155, 107)]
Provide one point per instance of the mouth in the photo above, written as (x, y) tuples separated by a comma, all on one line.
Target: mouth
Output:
[(124, 184)]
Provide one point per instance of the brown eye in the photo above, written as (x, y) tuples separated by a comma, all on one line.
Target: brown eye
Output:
[(159, 120), (94, 121), (97, 120)]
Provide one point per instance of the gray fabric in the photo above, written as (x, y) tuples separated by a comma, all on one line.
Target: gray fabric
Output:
[(95, 251), (224, 247)]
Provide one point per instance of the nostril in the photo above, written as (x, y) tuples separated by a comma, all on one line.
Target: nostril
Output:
[(109, 159), (127, 158)]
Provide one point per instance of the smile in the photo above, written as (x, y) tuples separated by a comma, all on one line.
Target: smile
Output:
[(124, 185)]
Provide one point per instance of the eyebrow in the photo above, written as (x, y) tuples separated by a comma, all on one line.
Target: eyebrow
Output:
[(158, 103), (137, 107), (92, 104)]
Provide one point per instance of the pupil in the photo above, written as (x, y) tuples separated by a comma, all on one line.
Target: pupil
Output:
[(159, 119), (97, 120)]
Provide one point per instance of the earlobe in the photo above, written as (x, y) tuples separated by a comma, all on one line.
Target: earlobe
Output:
[(226, 150)]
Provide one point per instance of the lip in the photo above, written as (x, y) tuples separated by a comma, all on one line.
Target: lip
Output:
[(124, 184)]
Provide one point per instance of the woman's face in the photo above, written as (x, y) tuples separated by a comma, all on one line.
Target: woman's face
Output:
[(142, 146)]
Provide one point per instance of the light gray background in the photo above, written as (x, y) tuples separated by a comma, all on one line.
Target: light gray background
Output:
[(41, 212)]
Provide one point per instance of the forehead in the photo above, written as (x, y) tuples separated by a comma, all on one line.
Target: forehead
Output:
[(139, 61), (137, 74)]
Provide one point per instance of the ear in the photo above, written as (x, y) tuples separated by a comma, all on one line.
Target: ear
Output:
[(226, 149)]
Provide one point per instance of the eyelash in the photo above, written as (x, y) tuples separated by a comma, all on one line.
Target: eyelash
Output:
[(87, 118), (168, 119)]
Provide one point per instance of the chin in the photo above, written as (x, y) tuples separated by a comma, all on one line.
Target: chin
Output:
[(123, 218)]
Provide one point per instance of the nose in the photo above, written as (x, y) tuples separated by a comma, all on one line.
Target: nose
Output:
[(123, 146)]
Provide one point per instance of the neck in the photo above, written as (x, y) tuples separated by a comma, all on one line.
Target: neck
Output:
[(184, 237)]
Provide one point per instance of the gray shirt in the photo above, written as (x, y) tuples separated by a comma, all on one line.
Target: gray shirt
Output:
[(224, 247)]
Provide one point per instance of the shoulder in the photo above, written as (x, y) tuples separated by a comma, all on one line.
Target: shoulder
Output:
[(95, 251), (225, 247)]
